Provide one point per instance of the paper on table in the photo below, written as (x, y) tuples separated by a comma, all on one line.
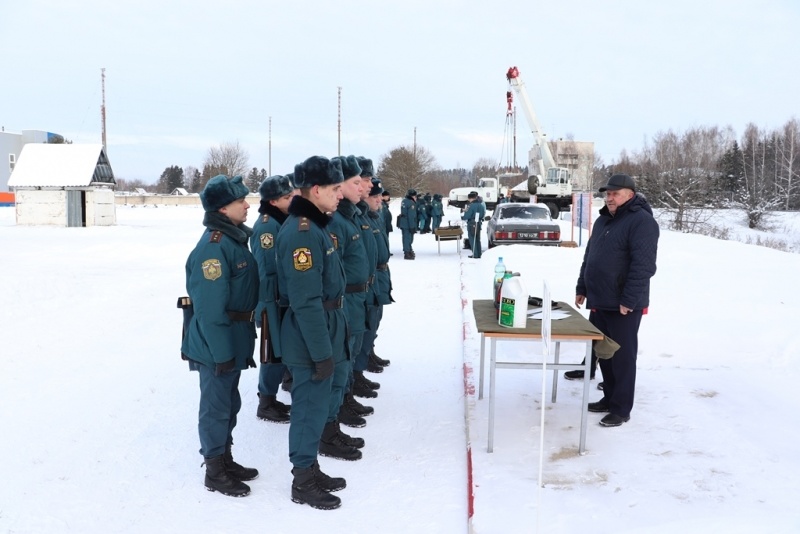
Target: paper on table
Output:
[(555, 315)]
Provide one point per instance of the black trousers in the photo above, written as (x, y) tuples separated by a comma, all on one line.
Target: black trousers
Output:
[(619, 372)]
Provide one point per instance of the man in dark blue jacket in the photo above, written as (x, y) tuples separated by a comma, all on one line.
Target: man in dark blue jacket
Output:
[(614, 282)]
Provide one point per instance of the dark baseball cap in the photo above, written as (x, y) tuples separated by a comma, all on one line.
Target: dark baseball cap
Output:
[(619, 181)]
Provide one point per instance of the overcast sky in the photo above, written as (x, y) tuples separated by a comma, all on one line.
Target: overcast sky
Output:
[(183, 76)]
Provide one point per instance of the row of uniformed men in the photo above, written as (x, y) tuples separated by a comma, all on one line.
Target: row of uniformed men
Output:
[(316, 283)]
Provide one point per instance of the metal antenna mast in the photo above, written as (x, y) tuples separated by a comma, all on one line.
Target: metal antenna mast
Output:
[(339, 123), (103, 107), (269, 153)]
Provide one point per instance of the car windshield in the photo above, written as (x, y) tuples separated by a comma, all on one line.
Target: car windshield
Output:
[(523, 212)]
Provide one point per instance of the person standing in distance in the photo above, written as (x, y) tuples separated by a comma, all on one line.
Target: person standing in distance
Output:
[(474, 216), (408, 223), (311, 285), (276, 195), (614, 282), (222, 282)]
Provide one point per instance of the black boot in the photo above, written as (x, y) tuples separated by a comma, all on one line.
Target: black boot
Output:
[(268, 410), (372, 365), (235, 470), (286, 381), (325, 482), (348, 418), (218, 479), (407, 256), (333, 445), (380, 361), (359, 375), (353, 441), (361, 389), (306, 490), (285, 408), (356, 407)]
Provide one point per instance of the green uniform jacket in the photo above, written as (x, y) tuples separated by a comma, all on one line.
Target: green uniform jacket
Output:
[(365, 225), (383, 278), (221, 276), (349, 244), (408, 215), (387, 217), (262, 243), (310, 273)]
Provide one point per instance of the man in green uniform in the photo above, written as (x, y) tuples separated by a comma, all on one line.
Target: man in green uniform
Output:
[(311, 285), (474, 216), (276, 195), (386, 197), (361, 385), (437, 212), (222, 282), (383, 280), (408, 223), (347, 241)]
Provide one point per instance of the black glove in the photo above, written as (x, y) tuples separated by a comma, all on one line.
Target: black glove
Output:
[(322, 370), (224, 367)]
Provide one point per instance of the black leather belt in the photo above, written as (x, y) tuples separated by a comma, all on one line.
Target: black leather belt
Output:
[(356, 288), (330, 305), (383, 267), (241, 316)]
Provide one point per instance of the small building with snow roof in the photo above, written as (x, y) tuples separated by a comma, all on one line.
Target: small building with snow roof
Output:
[(64, 185)]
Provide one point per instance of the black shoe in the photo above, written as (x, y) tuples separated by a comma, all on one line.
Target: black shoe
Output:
[(269, 409), (380, 361), (353, 441), (348, 418), (333, 445), (408, 256), (613, 419), (361, 389), (306, 490), (326, 482), (598, 407), (576, 375), (359, 375), (372, 365), (351, 403), (219, 479), (237, 471), (601, 386)]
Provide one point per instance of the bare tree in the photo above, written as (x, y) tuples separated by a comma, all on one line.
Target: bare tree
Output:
[(406, 168), (755, 198), (229, 159), (788, 165)]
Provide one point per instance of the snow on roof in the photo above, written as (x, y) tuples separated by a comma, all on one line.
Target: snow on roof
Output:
[(58, 165), (179, 191)]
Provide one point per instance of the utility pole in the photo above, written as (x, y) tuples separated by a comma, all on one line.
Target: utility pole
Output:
[(339, 123), (269, 150), (103, 107)]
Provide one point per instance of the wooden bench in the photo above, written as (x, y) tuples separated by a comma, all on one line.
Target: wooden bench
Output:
[(448, 233)]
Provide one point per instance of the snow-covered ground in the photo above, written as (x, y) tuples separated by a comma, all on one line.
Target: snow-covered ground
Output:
[(99, 413)]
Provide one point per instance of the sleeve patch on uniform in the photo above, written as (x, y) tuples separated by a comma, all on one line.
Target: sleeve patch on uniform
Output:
[(335, 241), (267, 240), (302, 259), (212, 269)]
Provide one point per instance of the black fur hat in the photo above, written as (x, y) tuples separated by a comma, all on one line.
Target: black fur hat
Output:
[(377, 188), (366, 167), (220, 191), (275, 187), (317, 170), (350, 166)]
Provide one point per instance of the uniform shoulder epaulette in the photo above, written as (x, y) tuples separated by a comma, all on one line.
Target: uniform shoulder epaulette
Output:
[(265, 217), (303, 225), (216, 236)]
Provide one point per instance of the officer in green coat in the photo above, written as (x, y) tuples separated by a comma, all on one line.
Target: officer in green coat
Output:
[(437, 212), (350, 246), (407, 222), (382, 285), (276, 195), (222, 282), (361, 385), (313, 330), (474, 214)]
